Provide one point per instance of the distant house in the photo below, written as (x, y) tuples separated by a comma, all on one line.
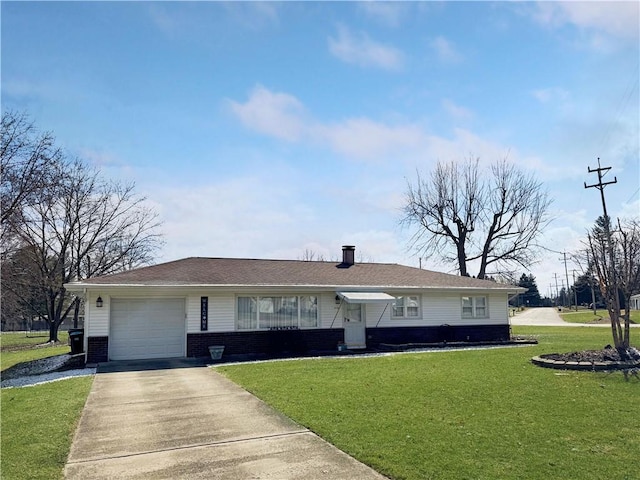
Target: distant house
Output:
[(634, 302), (180, 308)]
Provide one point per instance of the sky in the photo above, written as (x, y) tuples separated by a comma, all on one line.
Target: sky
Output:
[(264, 130)]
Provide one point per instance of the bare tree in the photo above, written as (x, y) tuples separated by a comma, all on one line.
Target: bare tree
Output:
[(29, 165), (90, 227), (21, 297), (464, 216), (310, 255), (63, 222), (615, 253)]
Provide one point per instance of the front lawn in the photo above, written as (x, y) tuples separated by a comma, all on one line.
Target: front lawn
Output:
[(587, 316), (37, 427), (21, 347), (38, 422), (482, 414), (17, 340)]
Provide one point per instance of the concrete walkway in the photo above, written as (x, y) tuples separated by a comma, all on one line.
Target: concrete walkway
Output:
[(158, 420)]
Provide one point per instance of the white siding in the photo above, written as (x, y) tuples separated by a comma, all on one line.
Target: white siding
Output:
[(221, 316), (222, 313), (328, 310), (96, 322), (374, 312), (437, 308)]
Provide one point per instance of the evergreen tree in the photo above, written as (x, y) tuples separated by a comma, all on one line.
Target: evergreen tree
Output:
[(583, 286), (531, 297)]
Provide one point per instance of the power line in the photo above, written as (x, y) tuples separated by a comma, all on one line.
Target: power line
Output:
[(633, 195)]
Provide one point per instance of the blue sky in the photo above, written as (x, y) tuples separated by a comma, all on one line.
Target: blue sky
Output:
[(264, 129)]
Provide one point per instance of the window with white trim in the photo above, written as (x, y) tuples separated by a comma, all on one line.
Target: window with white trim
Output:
[(406, 307), (275, 312), (475, 307)]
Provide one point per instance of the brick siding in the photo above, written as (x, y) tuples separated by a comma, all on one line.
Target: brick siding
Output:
[(267, 342), (304, 341)]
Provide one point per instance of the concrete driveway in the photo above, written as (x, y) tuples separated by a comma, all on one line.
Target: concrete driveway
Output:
[(157, 420)]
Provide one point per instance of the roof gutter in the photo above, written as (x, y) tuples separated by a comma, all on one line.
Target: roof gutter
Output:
[(77, 287)]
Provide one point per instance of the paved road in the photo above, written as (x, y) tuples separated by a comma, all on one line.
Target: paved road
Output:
[(539, 317), (550, 317), (151, 420)]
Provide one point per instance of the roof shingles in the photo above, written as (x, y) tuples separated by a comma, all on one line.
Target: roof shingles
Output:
[(247, 272)]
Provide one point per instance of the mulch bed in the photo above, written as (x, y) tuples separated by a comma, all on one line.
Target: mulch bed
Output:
[(604, 355), (606, 359)]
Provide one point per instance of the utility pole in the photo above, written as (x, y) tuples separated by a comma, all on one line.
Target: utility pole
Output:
[(602, 171), (575, 290), (613, 301), (555, 276), (566, 274), (593, 290)]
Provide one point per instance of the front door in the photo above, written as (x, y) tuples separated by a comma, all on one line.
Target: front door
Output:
[(354, 326)]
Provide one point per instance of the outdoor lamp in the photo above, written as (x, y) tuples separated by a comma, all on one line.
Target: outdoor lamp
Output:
[(99, 302)]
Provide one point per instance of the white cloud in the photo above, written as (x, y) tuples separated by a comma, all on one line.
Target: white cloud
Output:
[(271, 113), (546, 95), (611, 19), (100, 158), (445, 50), (456, 111), (404, 145), (163, 20), (386, 13), (359, 49), (242, 216), (253, 15), (365, 139), (283, 116)]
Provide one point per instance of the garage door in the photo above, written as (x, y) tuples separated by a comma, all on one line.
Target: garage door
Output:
[(147, 328)]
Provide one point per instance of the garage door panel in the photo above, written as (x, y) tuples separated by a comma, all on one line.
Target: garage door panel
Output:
[(147, 328)]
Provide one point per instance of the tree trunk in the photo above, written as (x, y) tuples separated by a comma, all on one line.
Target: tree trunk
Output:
[(462, 260), (53, 332)]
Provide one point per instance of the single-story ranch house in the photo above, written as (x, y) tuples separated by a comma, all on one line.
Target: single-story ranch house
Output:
[(180, 308)]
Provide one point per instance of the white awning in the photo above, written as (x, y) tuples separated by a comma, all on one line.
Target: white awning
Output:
[(366, 297)]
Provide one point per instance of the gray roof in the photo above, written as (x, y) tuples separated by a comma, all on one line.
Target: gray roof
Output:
[(220, 272)]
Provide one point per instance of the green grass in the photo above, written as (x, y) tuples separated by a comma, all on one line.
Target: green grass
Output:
[(38, 422), (486, 414), (37, 427), (15, 340), (587, 316), (19, 348)]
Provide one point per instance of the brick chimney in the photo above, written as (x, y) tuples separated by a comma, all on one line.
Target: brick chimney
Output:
[(348, 254)]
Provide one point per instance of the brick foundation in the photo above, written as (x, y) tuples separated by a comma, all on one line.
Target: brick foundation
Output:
[(266, 342), (442, 333), (304, 341)]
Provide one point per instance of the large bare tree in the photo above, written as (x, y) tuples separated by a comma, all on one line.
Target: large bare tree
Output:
[(29, 165), (470, 216), (615, 256), (84, 227)]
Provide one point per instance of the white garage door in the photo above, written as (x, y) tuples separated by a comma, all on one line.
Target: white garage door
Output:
[(147, 328)]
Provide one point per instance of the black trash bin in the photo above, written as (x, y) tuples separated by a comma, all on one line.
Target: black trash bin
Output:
[(76, 340)]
